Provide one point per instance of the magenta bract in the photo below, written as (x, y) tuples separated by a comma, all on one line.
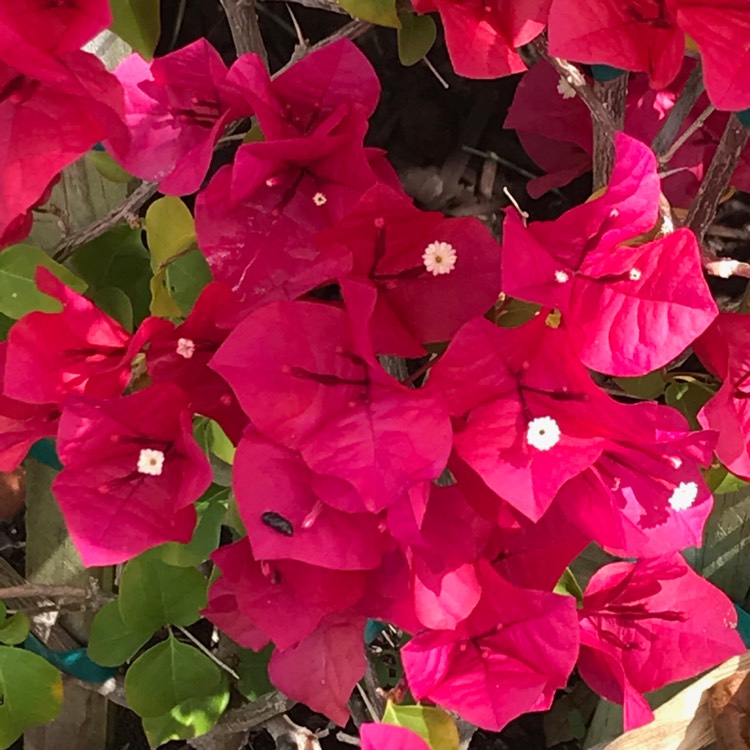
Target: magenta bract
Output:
[(647, 624), (132, 473)]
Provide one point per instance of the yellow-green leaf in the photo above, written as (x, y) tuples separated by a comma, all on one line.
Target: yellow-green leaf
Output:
[(162, 303), (108, 168), (18, 290), (415, 37), (31, 690), (380, 12), (137, 22), (170, 229), (433, 724)]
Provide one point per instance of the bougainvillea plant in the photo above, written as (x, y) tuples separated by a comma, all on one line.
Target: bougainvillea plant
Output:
[(333, 418)]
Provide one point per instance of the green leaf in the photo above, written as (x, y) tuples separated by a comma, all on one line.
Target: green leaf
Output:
[(14, 630), (688, 397), (108, 168), (186, 278), (649, 386), (253, 672), (31, 693), (3, 610), (112, 642), (721, 481), (170, 229), (433, 724), (116, 304), (154, 594), (167, 675), (189, 719), (569, 586), (381, 12), (5, 324), (162, 304), (221, 445), (137, 23), (117, 259), (415, 37), (212, 509), (516, 312), (19, 294)]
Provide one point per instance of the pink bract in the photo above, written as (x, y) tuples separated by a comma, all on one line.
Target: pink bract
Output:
[(21, 424), (637, 35), (322, 670), (386, 237), (511, 654), (647, 624), (78, 350), (482, 37), (388, 737), (628, 309), (132, 473), (72, 103)]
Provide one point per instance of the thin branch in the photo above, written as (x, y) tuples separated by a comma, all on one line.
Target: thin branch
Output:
[(682, 108), (43, 591), (243, 23), (613, 95), (207, 651), (351, 30), (330, 5), (600, 115), (696, 125), (126, 211), (716, 182)]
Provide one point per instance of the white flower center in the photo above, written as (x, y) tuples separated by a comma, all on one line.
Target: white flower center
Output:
[(684, 495), (543, 433), (319, 199), (634, 274), (150, 462), (565, 90), (439, 258), (561, 277), (185, 348)]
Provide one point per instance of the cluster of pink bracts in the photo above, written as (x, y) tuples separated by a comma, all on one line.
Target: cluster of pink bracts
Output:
[(335, 469)]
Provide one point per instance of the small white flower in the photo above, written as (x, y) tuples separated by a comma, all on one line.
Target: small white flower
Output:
[(543, 433), (319, 199), (635, 274), (150, 462), (684, 495), (561, 277), (667, 225), (676, 462), (565, 90), (185, 348), (439, 258), (724, 268)]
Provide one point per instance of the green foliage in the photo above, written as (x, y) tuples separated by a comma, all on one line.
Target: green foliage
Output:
[(137, 22), (185, 279), (108, 168), (212, 509), (688, 397), (569, 586), (648, 386), (189, 719), (721, 481), (167, 675), (516, 312), (14, 629), (154, 594), (19, 294), (117, 260), (5, 324), (116, 304), (253, 672), (112, 642), (433, 724), (31, 693), (415, 37), (381, 12)]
